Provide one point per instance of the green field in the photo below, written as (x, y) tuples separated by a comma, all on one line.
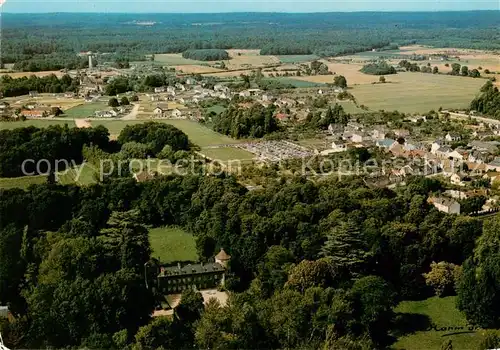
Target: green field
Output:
[(85, 110), (297, 58), (172, 244), (417, 319), (175, 60), (350, 107), (227, 153), (419, 92), (39, 123), (21, 182), (297, 83)]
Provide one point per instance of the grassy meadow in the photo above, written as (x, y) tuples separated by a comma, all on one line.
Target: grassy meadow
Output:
[(297, 58), (175, 59), (85, 110), (418, 92), (416, 321), (39, 123), (172, 244), (299, 83)]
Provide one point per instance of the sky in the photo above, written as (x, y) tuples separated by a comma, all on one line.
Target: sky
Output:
[(208, 6)]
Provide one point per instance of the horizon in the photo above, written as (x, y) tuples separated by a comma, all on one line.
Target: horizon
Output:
[(238, 12), (245, 6)]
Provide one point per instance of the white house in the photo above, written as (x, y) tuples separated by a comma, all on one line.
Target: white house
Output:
[(455, 155), (452, 137), (176, 113), (160, 110), (159, 89), (359, 137), (436, 145), (457, 180), (445, 205), (339, 146)]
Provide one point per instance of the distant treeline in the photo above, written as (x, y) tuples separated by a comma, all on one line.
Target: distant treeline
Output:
[(206, 55), (50, 84), (325, 34), (54, 61)]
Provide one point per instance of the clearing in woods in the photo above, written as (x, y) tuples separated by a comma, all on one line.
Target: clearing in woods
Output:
[(416, 320), (171, 244)]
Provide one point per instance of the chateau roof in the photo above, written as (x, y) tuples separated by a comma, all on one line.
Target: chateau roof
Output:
[(222, 255)]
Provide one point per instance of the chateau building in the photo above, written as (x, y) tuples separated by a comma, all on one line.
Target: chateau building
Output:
[(176, 279)]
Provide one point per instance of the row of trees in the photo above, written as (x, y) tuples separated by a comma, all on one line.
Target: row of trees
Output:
[(50, 84), (457, 69)]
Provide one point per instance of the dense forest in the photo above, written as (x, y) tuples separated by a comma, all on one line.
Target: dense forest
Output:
[(206, 55), (314, 264), (324, 34)]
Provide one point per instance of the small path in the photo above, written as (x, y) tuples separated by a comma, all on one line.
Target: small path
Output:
[(133, 114)]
